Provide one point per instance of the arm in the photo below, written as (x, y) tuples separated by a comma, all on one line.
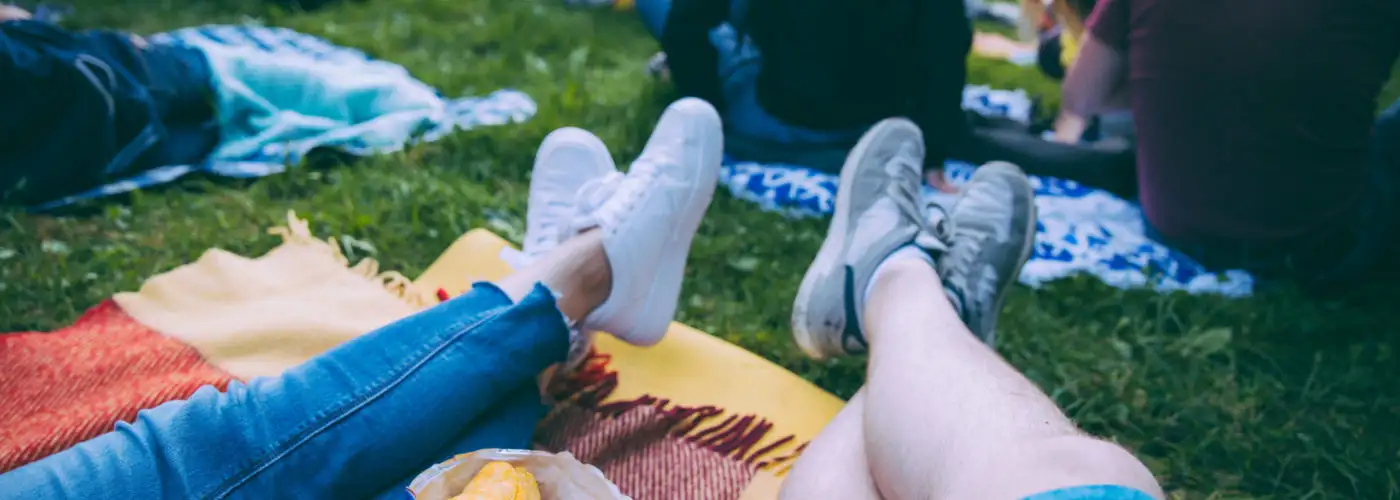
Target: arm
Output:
[(1098, 73), (12, 13), (692, 59), (1095, 78)]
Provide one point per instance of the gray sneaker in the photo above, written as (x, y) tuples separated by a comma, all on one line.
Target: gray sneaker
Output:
[(877, 212), (991, 234)]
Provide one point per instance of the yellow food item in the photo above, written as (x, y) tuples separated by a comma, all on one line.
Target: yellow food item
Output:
[(529, 488), (501, 481)]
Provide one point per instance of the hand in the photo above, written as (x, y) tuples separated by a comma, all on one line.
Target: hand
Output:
[(12, 13), (658, 68), (936, 180), (1069, 128)]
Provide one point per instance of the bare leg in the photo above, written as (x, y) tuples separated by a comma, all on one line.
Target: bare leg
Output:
[(941, 415), (946, 417), (577, 270), (835, 464)]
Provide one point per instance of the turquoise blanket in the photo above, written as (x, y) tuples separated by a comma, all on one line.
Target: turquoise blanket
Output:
[(281, 94)]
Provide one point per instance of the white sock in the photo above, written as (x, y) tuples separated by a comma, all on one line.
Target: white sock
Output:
[(904, 252)]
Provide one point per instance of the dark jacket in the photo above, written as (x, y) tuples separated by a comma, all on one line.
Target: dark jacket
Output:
[(76, 110), (833, 64)]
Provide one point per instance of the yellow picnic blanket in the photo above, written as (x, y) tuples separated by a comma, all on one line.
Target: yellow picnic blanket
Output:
[(260, 316)]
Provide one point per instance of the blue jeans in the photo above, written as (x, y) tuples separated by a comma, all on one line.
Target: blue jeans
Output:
[(751, 133), (361, 419)]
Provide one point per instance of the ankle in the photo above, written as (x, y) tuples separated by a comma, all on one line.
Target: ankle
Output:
[(595, 277), (580, 274), (907, 259)]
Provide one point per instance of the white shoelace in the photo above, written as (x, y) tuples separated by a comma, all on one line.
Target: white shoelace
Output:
[(588, 198), (548, 231), (593, 198), (936, 234), (605, 202)]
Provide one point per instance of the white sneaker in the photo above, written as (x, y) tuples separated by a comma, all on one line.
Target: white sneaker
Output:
[(568, 159), (649, 219)]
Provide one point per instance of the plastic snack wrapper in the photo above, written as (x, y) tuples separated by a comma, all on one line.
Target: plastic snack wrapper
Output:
[(560, 476)]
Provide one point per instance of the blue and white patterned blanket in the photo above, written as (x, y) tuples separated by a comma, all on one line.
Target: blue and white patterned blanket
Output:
[(1081, 229), (281, 94)]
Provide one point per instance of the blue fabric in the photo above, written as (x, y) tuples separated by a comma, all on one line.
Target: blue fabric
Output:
[(761, 134), (180, 79), (1082, 230), (739, 66), (1095, 492), (653, 14), (77, 109), (510, 424), (364, 417), (1384, 166), (281, 94)]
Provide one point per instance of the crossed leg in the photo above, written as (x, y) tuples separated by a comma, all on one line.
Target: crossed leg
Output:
[(941, 414)]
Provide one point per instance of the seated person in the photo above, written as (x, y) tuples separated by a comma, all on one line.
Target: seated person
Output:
[(799, 81), (1061, 28), (1252, 129), (126, 105), (946, 417)]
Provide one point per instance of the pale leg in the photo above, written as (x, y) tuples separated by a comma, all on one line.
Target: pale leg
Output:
[(834, 465), (944, 417)]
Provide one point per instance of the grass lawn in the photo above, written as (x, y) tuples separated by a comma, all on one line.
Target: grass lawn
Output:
[(1273, 397)]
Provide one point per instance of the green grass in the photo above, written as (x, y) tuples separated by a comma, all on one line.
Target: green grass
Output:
[(1278, 396)]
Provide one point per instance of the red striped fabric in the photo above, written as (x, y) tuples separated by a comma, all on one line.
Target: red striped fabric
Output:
[(63, 387), (641, 453)]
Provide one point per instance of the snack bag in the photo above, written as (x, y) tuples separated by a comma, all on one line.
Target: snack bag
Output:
[(501, 472)]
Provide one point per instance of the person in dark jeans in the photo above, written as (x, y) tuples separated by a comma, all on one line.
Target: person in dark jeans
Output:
[(798, 82), (87, 108)]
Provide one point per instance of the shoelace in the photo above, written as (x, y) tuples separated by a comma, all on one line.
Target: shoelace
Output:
[(606, 201), (586, 200), (937, 222), (963, 255), (593, 197), (935, 234), (549, 230)]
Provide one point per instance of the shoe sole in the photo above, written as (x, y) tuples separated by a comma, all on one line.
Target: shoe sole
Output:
[(666, 287), (989, 322), (828, 260)]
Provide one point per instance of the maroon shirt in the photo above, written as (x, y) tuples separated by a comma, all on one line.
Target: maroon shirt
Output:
[(1252, 115)]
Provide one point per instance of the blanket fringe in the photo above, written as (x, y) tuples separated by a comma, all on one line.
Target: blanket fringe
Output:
[(736, 436), (298, 232)]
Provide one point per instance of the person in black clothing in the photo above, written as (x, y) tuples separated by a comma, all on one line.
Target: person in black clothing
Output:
[(799, 81)]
